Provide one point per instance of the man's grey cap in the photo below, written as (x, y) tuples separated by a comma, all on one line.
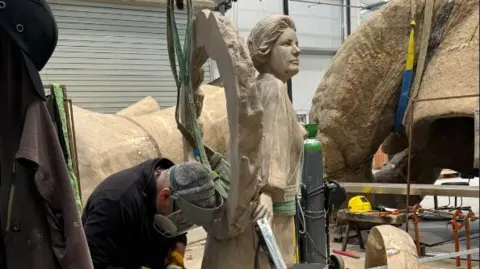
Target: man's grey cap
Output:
[(192, 182)]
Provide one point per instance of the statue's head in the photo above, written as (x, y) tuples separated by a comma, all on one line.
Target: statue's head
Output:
[(273, 46)]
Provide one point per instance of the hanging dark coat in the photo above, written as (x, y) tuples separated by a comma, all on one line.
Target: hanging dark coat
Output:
[(40, 225)]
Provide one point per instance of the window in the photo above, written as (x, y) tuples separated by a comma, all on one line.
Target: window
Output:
[(302, 118)]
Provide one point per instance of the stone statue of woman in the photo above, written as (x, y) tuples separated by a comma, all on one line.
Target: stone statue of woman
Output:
[(274, 50)]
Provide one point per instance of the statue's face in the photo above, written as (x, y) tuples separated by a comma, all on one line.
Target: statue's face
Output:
[(284, 57)]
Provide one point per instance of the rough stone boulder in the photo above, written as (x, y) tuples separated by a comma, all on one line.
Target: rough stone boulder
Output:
[(144, 106), (355, 102), (107, 143)]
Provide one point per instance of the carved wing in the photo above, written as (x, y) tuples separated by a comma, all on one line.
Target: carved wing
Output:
[(218, 38)]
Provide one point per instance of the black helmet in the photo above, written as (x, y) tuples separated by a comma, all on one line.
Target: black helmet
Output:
[(32, 27)]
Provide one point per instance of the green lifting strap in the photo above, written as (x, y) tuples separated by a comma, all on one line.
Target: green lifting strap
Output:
[(214, 162), (285, 208)]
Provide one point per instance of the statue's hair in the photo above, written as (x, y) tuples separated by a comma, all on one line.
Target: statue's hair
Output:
[(264, 35)]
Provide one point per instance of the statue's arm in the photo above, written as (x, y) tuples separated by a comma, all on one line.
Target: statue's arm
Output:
[(273, 173)]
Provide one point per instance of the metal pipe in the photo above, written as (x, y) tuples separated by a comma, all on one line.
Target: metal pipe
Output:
[(69, 116), (349, 18), (321, 51), (343, 23), (289, 81), (415, 189), (68, 107), (439, 213), (446, 98), (75, 150), (326, 4), (409, 164)]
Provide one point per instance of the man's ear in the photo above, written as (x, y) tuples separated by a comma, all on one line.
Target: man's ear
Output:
[(165, 193)]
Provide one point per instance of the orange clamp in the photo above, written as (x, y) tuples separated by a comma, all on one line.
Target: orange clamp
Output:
[(416, 220), (456, 227), (470, 217)]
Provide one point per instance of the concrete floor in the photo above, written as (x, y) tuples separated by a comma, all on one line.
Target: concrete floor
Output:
[(196, 237), (193, 259)]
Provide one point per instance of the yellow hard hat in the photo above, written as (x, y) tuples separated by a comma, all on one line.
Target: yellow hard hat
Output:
[(359, 204)]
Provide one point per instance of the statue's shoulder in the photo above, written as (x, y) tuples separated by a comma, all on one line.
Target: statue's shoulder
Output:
[(271, 86)]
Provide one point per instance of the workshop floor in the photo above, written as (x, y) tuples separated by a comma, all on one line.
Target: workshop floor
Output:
[(193, 259), (196, 237)]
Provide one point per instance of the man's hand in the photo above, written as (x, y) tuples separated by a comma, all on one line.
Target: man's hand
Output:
[(264, 208)]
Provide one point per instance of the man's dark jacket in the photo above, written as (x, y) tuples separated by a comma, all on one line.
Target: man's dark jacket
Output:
[(118, 220)]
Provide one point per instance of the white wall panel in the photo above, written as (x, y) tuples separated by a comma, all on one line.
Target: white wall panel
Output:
[(312, 69), (319, 26), (245, 14)]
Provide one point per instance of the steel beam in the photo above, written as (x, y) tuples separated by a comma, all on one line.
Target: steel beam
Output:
[(199, 4), (289, 81), (415, 189), (318, 51)]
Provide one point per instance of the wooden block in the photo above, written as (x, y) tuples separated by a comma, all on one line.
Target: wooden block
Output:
[(382, 219)]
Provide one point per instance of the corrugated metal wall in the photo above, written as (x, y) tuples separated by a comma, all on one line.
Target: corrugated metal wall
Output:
[(111, 55)]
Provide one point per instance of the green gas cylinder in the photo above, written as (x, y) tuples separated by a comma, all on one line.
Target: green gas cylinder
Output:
[(311, 143), (314, 249)]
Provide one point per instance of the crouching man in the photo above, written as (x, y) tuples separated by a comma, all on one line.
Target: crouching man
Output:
[(126, 218)]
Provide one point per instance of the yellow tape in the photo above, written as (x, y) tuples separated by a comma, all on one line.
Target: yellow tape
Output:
[(411, 48), (296, 256)]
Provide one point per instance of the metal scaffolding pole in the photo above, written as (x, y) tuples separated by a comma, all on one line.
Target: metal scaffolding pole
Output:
[(289, 82)]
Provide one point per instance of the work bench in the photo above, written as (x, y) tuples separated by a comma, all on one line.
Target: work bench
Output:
[(415, 189)]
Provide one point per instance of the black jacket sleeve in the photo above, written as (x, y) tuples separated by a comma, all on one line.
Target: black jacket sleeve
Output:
[(101, 223)]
